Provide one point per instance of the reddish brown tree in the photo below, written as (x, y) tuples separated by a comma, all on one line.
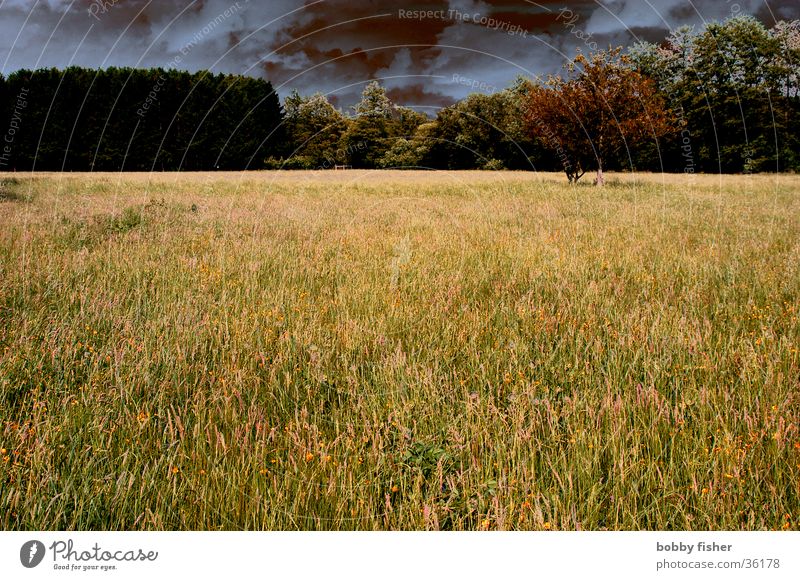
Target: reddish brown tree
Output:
[(603, 107)]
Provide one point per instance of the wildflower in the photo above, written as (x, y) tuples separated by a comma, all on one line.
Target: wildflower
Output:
[(546, 525), (309, 456), (175, 470), (395, 489), (3, 451)]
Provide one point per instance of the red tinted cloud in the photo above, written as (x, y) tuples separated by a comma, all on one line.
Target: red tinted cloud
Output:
[(336, 46)]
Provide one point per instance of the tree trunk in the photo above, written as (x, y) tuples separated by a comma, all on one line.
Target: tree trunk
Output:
[(600, 182)]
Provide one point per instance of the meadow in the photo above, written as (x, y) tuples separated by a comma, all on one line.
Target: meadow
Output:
[(361, 350)]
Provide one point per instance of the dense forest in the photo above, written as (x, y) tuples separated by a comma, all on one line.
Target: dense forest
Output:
[(731, 93), (137, 120)]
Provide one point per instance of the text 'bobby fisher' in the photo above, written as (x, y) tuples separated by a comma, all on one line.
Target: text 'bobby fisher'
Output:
[(688, 548), (65, 551)]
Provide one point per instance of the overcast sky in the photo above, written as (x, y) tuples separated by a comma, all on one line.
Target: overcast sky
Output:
[(335, 46)]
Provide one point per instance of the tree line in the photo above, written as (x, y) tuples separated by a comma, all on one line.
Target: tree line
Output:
[(136, 120), (725, 98)]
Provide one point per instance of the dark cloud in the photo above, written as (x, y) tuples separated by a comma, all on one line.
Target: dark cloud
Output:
[(419, 95), (336, 46)]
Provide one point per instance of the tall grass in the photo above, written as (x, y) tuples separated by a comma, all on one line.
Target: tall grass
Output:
[(365, 350)]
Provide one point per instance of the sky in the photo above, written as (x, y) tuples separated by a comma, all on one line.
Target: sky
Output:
[(427, 53)]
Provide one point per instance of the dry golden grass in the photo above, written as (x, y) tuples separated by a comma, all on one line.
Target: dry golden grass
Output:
[(399, 350)]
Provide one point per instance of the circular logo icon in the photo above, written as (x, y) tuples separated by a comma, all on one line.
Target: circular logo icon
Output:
[(31, 553)]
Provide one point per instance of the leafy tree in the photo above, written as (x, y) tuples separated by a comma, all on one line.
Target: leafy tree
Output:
[(480, 130), (367, 137), (785, 65), (133, 119), (365, 142), (556, 126), (379, 127), (409, 153), (315, 127), (604, 107), (405, 121), (734, 84), (374, 103)]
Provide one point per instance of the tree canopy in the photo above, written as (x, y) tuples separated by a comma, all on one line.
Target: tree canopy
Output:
[(603, 108), (724, 98), (735, 87), (138, 120)]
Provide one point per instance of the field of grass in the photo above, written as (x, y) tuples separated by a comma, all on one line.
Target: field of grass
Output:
[(399, 350)]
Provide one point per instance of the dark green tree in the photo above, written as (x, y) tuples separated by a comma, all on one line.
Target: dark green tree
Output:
[(114, 119), (733, 86), (315, 129), (368, 135), (482, 131)]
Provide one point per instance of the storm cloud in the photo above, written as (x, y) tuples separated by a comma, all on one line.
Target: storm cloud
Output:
[(428, 53)]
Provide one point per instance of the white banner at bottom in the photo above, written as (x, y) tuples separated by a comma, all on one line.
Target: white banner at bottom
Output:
[(483, 555)]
